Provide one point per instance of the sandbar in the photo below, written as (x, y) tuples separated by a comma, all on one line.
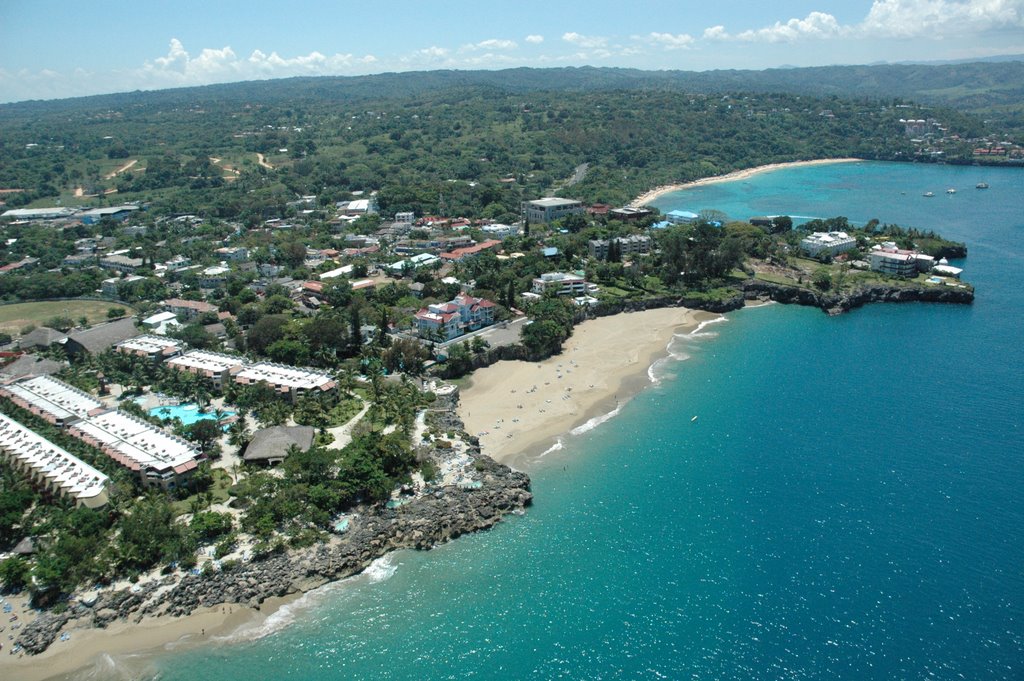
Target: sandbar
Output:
[(519, 410)]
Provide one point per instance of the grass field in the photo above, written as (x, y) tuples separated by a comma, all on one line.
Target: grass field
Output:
[(15, 317)]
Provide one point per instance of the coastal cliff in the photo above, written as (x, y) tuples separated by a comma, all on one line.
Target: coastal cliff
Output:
[(439, 514), (835, 303)]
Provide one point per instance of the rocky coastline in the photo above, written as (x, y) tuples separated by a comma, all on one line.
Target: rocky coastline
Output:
[(836, 303), (439, 514)]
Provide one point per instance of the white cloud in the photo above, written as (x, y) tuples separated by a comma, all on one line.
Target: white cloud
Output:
[(815, 25), (908, 18), (491, 44), (672, 42), (891, 18), (434, 52), (534, 39), (584, 40)]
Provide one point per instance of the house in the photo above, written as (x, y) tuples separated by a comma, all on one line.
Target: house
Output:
[(161, 322), (550, 209), (830, 243), (445, 321), (101, 337), (188, 309), (50, 467), (286, 380), (270, 446), (232, 253), (79, 260), (24, 264), (216, 367), (563, 284), (629, 214), (154, 348)]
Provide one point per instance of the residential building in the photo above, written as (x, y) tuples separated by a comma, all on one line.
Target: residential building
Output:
[(629, 214), (894, 264), (50, 467), (155, 348), (499, 231), (188, 309), (214, 277), (232, 253), (287, 380), (79, 260), (634, 244), (111, 287), (830, 243), (161, 322), (550, 209), (462, 314), (216, 367), (563, 284), (121, 263)]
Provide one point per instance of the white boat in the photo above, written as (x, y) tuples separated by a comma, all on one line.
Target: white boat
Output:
[(951, 191), (929, 194), (981, 185)]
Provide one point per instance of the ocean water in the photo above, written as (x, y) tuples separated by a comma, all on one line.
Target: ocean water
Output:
[(847, 504)]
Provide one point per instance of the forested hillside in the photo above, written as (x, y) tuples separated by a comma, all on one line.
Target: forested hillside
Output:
[(476, 142)]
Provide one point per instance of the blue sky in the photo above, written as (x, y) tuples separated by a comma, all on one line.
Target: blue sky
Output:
[(51, 49)]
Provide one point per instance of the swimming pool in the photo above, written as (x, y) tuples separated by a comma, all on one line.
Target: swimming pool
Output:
[(188, 413)]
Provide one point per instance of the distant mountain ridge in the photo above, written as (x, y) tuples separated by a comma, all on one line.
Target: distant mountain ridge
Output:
[(990, 86)]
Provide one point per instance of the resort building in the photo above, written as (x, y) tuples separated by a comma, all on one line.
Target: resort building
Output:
[(831, 243), (51, 399), (563, 284), (550, 209), (158, 458), (51, 468), (101, 337), (121, 263), (287, 380), (214, 366), (629, 214), (462, 314), (154, 348), (894, 264)]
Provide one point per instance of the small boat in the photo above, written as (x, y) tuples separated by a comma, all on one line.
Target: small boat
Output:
[(981, 185), (929, 194), (693, 419), (951, 191)]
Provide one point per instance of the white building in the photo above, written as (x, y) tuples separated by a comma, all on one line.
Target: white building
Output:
[(51, 399), (50, 467), (550, 209), (499, 231), (215, 366), (153, 347), (158, 458), (287, 380), (563, 283), (831, 243)]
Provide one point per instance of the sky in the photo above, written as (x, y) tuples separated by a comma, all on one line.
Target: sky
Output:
[(61, 48)]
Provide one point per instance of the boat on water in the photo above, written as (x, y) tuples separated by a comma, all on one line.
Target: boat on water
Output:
[(981, 185), (929, 194), (951, 191)]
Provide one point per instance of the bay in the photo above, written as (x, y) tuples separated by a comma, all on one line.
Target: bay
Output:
[(846, 505)]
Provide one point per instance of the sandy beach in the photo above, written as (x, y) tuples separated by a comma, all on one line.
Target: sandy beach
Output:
[(520, 409), (89, 647), (657, 192)]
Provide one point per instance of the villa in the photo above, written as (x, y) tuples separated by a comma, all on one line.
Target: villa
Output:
[(563, 283), (447, 321)]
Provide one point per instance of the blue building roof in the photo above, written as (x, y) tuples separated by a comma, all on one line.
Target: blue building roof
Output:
[(549, 252)]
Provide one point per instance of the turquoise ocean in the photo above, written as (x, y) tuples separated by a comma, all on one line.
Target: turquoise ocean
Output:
[(849, 503)]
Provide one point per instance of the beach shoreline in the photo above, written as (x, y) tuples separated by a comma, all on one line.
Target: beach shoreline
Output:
[(656, 193), (521, 410)]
